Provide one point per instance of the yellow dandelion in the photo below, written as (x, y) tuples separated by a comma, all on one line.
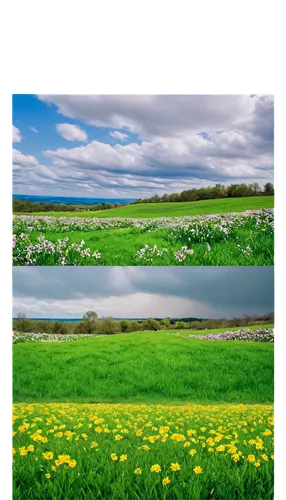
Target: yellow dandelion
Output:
[(198, 470), (72, 463), (155, 468), (175, 467), (166, 480)]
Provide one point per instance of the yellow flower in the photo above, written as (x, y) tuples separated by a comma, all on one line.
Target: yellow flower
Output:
[(23, 452), (166, 480), (118, 437), (14, 451), (272, 456), (48, 476), (48, 455), (267, 432), (191, 432), (192, 452), (114, 456), (198, 470), (211, 450), (138, 471), (54, 468), (62, 459), (236, 457), (84, 436), (30, 448), (257, 463), (251, 458), (94, 444), (265, 457), (155, 468), (175, 467), (72, 463), (220, 448), (123, 458)]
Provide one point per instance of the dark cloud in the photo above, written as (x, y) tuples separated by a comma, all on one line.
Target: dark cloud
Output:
[(219, 291)]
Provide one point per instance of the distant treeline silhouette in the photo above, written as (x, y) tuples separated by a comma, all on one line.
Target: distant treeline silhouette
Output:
[(213, 193), (44, 206), (90, 324)]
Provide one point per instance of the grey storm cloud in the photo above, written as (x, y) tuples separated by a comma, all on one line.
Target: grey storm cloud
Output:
[(214, 291)]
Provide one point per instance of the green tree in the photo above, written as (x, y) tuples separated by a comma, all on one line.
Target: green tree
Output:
[(165, 323), (109, 326), (56, 327), (124, 325), (150, 324), (268, 189), (22, 323), (88, 320)]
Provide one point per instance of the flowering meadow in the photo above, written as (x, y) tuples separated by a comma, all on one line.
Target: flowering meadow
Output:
[(245, 335), (19, 337), (120, 451), (245, 238)]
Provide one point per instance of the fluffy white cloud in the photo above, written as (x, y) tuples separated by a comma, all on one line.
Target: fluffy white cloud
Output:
[(71, 132), (20, 160), (186, 141), (16, 135), (118, 135)]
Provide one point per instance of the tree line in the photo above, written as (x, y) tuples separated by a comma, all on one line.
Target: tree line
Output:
[(91, 324), (212, 193), (23, 206)]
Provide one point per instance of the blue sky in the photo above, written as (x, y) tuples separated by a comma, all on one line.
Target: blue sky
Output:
[(137, 146), (136, 292)]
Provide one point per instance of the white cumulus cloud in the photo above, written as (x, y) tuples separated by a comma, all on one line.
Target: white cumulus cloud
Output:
[(71, 132)]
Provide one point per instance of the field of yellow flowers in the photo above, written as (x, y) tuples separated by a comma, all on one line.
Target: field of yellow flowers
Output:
[(142, 452)]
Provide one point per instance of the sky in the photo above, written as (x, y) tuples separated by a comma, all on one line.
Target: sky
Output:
[(139, 292), (130, 146)]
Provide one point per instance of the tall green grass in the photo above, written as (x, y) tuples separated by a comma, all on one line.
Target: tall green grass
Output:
[(153, 367)]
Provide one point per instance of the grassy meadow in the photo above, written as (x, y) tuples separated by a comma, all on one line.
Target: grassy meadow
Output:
[(173, 209), (153, 367), (143, 416), (244, 239)]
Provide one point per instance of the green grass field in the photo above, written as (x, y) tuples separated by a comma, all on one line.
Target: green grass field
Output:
[(175, 209), (146, 367), (119, 418)]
